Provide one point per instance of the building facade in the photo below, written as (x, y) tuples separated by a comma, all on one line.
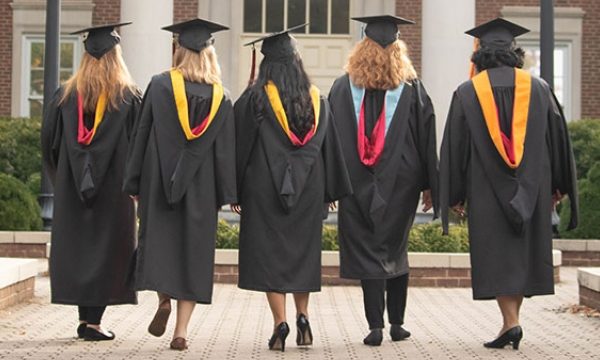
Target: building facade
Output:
[(438, 46)]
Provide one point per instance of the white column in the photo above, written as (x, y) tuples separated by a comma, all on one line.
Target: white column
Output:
[(446, 51), (226, 42), (146, 48)]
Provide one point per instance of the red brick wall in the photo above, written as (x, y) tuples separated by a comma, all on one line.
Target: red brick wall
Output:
[(6, 21), (411, 34), (590, 74), (17, 293), (106, 12), (184, 10)]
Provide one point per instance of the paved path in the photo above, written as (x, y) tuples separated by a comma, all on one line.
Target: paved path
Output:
[(446, 324)]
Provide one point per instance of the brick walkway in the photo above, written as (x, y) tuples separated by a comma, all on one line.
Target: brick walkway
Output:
[(445, 324)]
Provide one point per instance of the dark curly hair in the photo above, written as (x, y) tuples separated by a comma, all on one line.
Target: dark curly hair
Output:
[(487, 58), (293, 85)]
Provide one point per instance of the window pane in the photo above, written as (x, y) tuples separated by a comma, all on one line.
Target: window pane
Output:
[(274, 15), (36, 85), (318, 16), (65, 75), (340, 17), (296, 14), (66, 55), (253, 16), (35, 108), (37, 54)]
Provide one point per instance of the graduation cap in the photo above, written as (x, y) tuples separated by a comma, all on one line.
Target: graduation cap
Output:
[(100, 39), (498, 33), (278, 47), (195, 34), (383, 29)]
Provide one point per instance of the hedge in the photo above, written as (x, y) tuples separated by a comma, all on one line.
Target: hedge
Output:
[(585, 139), (19, 210), (589, 208), (422, 238), (20, 154)]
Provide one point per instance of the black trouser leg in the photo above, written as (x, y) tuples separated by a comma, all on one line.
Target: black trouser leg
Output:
[(82, 313), (397, 289), (373, 299), (91, 314)]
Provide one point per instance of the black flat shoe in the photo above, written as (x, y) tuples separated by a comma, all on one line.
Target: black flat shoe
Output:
[(374, 338), (511, 336), (81, 330), (304, 335), (277, 341), (398, 333), (91, 334)]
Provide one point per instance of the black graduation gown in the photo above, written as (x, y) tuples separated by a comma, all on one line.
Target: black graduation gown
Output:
[(510, 228), (284, 191), (93, 228), (375, 221), (181, 185)]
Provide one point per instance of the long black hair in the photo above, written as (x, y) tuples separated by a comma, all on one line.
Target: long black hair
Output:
[(487, 58), (293, 85)]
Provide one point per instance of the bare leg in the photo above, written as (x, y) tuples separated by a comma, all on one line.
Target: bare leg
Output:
[(184, 313), (277, 305), (301, 300), (509, 306)]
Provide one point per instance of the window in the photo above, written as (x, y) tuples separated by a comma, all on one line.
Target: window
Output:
[(562, 70), (33, 70), (325, 16)]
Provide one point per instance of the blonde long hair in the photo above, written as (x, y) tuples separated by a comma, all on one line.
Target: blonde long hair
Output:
[(108, 74), (372, 67), (202, 67)]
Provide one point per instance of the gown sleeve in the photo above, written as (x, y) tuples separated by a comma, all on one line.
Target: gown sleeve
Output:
[(427, 143), (454, 160), (134, 111), (225, 157), (562, 160), (51, 134), (337, 180), (247, 122), (138, 145)]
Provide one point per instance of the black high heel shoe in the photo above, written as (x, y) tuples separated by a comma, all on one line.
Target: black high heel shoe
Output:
[(91, 334), (398, 333), (511, 336), (81, 330), (374, 338), (304, 335), (277, 341)]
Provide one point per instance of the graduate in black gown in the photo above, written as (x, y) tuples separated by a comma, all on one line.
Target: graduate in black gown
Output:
[(386, 124), (290, 167), (85, 133), (181, 166), (505, 159)]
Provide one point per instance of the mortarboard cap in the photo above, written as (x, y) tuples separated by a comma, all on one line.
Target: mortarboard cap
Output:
[(195, 34), (383, 29), (100, 39), (498, 33), (279, 46)]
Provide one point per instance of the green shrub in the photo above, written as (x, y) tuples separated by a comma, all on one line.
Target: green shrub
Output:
[(423, 238), (330, 238), (33, 183), (227, 235), (589, 209), (20, 154), (19, 209), (585, 138), (428, 238)]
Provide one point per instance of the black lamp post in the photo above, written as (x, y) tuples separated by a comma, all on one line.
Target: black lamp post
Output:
[(547, 41), (51, 83)]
